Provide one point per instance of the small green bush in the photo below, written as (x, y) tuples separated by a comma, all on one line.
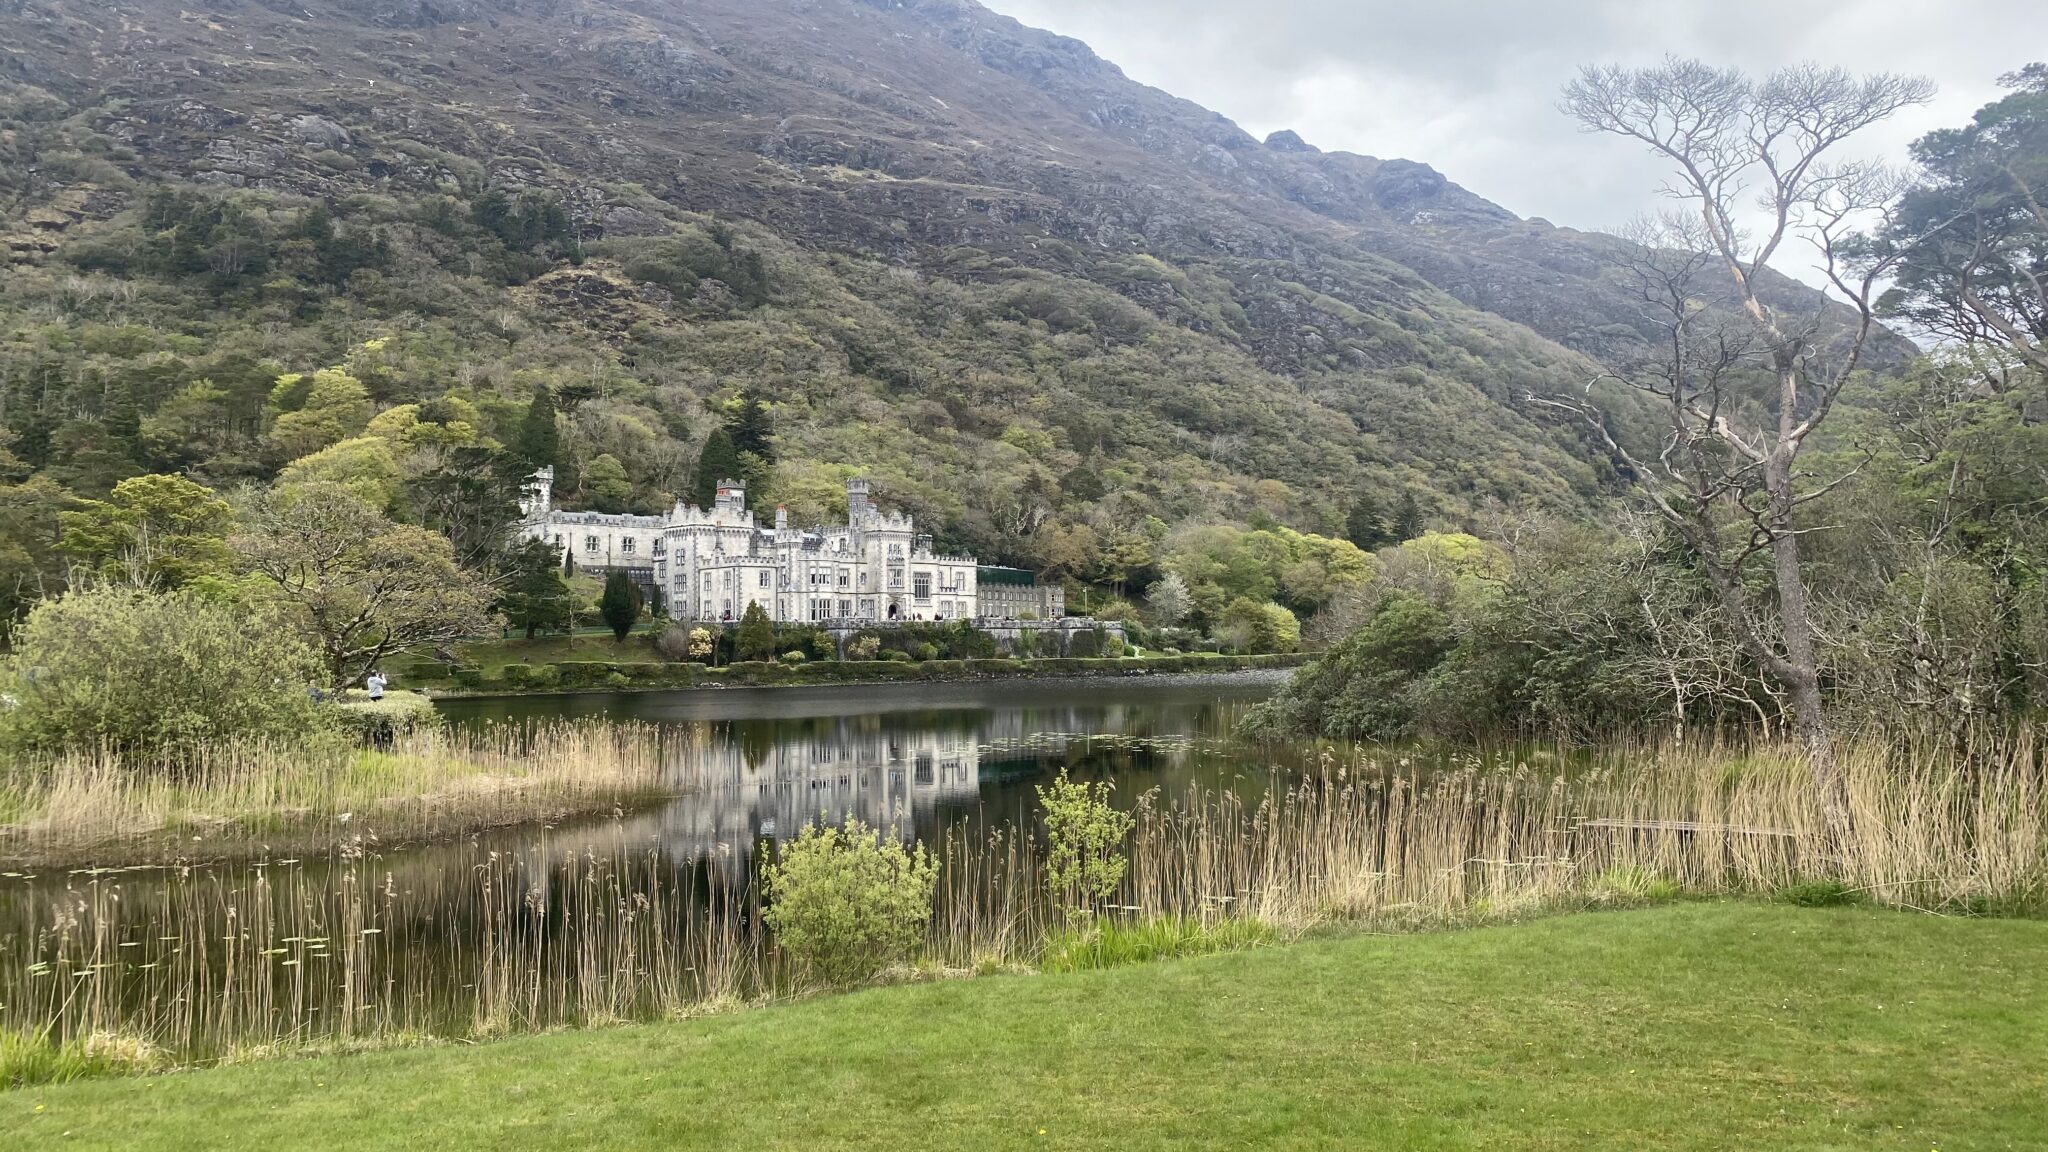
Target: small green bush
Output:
[(1084, 842), (845, 903), (397, 713), (1108, 943), (896, 654), (31, 1058), (1633, 886), (1820, 894), (153, 673), (793, 657), (468, 675), (925, 651)]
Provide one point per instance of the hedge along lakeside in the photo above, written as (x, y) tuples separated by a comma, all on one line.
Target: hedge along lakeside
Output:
[(600, 675)]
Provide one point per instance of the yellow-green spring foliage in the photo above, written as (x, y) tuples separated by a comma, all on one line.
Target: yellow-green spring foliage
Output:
[(846, 903)]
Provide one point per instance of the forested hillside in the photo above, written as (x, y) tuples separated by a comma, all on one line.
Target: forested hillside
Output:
[(1059, 316)]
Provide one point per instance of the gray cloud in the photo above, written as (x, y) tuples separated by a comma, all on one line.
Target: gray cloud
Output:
[(1470, 86)]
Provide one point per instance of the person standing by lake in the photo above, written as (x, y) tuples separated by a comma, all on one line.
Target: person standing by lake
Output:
[(375, 683)]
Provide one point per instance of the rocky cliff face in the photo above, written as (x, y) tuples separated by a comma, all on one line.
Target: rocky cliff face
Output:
[(899, 127)]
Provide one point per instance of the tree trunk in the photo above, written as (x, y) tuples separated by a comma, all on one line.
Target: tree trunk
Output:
[(1801, 671)]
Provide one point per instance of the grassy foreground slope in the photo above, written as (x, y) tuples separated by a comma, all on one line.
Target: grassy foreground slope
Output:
[(1684, 1027)]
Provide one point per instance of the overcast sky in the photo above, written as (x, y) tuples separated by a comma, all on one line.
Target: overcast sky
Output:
[(1470, 86)]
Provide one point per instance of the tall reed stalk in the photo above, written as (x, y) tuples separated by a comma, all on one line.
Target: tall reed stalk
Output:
[(355, 948), (239, 799)]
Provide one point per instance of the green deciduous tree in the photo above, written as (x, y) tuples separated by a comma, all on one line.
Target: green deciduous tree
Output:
[(365, 465), (605, 485), (313, 412), (163, 531), (192, 427), (1084, 836), (153, 673), (1258, 626), (357, 585)]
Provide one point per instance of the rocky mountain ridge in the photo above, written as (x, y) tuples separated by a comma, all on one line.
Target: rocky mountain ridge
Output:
[(1383, 323)]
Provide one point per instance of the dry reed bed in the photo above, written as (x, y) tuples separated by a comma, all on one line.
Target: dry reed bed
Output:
[(257, 798), (222, 963)]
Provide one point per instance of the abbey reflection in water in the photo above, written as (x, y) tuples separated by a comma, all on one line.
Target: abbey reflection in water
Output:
[(761, 764)]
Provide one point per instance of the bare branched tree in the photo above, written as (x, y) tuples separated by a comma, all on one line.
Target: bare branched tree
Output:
[(1726, 474)]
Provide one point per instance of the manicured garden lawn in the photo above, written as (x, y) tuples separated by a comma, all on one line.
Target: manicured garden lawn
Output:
[(495, 654), (1696, 1026)]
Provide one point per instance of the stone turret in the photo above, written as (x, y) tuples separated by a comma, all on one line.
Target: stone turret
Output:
[(857, 505), (732, 498), (537, 496), (781, 518)]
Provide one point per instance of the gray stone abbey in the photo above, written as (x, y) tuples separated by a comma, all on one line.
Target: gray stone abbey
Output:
[(710, 563)]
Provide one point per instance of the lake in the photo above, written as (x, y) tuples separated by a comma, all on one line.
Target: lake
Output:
[(626, 915), (914, 758)]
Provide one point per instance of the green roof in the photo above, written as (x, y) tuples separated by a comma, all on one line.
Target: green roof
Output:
[(991, 574)]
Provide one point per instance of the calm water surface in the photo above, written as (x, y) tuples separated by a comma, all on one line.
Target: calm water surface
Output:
[(528, 923), (764, 762)]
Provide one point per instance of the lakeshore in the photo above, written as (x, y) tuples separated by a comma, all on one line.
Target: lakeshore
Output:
[(480, 676), (1689, 1027)]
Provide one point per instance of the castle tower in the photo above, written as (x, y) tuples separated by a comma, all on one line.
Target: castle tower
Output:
[(857, 501), (732, 498), (537, 495)]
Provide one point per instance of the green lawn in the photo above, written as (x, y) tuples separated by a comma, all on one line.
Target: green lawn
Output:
[(492, 655), (1698, 1026)]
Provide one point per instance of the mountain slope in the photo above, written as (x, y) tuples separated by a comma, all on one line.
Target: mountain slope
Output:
[(1052, 310)]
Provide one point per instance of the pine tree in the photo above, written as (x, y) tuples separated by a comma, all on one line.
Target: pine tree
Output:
[(539, 440), (620, 604), (1367, 525), (757, 635), (720, 460), (752, 426), (537, 596), (1407, 519)]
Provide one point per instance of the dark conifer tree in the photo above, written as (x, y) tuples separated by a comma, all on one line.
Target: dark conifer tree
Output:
[(539, 440), (1367, 524), (620, 604), (1407, 519), (719, 460), (537, 596), (757, 634), (752, 426)]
